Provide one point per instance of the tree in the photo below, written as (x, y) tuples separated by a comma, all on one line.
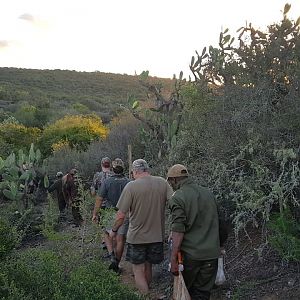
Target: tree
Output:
[(242, 131), (161, 116)]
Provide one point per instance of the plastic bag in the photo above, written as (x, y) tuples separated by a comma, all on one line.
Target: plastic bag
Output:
[(220, 279)]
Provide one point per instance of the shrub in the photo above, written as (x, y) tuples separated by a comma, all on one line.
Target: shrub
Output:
[(39, 274), (16, 136), (77, 131), (285, 233), (8, 239)]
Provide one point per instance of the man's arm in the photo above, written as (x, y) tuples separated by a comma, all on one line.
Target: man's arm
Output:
[(177, 238), (98, 203), (120, 217), (53, 187)]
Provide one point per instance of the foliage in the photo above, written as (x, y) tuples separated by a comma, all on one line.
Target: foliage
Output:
[(39, 274), (77, 131), (285, 232), (241, 128), (161, 118), (54, 92), (16, 136), (123, 130), (33, 116), (8, 239)]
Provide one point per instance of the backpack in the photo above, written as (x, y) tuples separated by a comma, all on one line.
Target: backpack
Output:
[(99, 178)]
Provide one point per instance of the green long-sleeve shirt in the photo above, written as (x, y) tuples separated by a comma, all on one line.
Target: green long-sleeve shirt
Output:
[(194, 213)]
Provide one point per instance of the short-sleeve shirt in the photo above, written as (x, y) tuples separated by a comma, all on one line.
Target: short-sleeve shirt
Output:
[(112, 188), (145, 199)]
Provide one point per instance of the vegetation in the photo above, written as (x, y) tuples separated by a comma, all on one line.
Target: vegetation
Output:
[(38, 274), (38, 97), (235, 125), (72, 131)]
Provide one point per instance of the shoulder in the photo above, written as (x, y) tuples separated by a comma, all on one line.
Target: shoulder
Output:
[(159, 179)]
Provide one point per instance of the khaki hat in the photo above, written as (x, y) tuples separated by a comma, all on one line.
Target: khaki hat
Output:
[(177, 171), (118, 162)]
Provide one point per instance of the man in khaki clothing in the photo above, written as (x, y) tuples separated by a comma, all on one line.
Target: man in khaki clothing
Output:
[(145, 199)]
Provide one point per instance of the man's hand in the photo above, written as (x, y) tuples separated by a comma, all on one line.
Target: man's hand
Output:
[(112, 234), (95, 219)]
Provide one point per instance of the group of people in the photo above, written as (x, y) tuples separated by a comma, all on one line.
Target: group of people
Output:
[(66, 187), (140, 204)]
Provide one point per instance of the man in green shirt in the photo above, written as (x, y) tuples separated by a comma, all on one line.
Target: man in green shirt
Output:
[(195, 232)]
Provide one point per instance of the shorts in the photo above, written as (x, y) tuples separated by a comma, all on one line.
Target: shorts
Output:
[(140, 253)]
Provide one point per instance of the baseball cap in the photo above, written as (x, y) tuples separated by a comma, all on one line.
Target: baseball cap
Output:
[(59, 174), (177, 170), (140, 164), (118, 162)]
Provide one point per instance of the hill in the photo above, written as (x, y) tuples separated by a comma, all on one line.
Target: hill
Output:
[(54, 93)]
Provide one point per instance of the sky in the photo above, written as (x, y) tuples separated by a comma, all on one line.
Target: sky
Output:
[(123, 36)]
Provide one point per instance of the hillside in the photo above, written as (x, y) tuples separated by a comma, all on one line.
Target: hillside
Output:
[(58, 92)]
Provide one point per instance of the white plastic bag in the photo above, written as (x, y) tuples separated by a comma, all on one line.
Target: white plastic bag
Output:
[(220, 279)]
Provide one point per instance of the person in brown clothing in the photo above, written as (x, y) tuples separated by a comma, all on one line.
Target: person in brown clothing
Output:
[(70, 190), (57, 186)]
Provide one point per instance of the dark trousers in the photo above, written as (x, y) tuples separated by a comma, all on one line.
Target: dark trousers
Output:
[(61, 204), (199, 276)]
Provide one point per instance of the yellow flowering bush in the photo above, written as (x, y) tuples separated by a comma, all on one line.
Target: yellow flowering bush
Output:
[(75, 131)]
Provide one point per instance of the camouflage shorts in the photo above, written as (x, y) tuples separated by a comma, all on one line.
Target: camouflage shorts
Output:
[(140, 253)]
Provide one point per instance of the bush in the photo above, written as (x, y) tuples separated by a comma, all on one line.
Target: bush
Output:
[(8, 239), (38, 274), (285, 235), (75, 131)]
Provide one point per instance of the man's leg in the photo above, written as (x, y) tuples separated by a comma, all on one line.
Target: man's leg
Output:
[(141, 282), (199, 277), (120, 242), (108, 242), (148, 272)]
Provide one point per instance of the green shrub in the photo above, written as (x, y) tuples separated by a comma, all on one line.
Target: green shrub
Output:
[(285, 233), (40, 274), (8, 239)]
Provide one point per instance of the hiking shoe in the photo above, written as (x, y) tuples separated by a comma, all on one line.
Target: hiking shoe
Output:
[(114, 267), (106, 256), (103, 246)]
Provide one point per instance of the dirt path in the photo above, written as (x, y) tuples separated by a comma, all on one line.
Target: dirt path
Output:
[(251, 272)]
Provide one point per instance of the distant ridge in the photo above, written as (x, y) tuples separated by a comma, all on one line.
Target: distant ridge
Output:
[(66, 91)]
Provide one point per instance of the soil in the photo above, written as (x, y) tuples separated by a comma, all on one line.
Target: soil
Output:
[(252, 269)]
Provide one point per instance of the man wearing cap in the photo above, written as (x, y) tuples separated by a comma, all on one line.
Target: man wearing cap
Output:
[(195, 232), (57, 186), (99, 177), (145, 200), (111, 190)]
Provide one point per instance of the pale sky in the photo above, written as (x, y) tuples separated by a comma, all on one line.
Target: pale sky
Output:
[(123, 36)]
